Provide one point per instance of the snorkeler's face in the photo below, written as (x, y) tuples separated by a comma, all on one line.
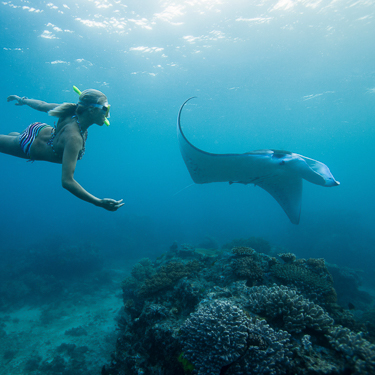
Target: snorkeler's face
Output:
[(104, 107), (100, 111)]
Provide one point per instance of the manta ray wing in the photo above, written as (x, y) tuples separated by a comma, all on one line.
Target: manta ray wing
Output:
[(280, 173), (287, 190)]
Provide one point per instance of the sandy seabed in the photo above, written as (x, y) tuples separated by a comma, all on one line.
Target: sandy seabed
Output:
[(80, 330)]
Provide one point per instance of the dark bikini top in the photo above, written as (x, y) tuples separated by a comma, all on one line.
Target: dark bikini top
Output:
[(83, 135)]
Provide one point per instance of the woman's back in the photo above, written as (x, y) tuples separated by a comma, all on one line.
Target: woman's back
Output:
[(50, 143)]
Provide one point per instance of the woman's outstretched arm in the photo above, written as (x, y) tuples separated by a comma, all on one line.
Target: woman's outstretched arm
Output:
[(69, 162), (39, 105)]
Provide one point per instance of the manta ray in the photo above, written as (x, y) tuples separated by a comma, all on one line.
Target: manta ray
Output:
[(278, 172)]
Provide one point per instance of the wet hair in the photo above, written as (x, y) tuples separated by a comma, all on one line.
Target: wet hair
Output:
[(89, 96)]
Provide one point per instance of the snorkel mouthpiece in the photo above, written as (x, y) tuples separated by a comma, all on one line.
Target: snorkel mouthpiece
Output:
[(78, 91)]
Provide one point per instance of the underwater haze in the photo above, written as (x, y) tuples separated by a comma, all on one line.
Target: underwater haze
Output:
[(289, 75)]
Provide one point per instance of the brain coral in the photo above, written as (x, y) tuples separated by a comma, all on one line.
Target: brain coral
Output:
[(221, 334), (296, 311)]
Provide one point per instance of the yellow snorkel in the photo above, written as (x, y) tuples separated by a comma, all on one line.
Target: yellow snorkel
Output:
[(78, 91)]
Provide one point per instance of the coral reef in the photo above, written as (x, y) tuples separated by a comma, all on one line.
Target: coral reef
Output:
[(167, 276), (296, 312), (142, 270), (257, 243), (218, 332), (192, 314), (287, 257), (243, 250), (223, 333), (358, 352), (247, 268), (247, 264), (306, 279), (269, 352)]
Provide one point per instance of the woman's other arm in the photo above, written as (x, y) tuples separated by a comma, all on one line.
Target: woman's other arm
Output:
[(39, 105)]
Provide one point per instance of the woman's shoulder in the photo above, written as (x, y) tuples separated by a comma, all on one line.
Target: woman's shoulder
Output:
[(64, 123), (69, 128), (65, 120)]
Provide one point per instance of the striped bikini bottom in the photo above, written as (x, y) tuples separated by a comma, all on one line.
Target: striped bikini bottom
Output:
[(28, 136)]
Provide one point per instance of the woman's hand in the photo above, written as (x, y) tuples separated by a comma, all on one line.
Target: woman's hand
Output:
[(10, 98), (111, 204)]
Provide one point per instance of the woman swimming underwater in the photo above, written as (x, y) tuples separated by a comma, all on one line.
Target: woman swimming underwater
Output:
[(64, 144)]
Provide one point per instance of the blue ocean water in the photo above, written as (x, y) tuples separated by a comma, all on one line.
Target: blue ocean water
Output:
[(291, 75)]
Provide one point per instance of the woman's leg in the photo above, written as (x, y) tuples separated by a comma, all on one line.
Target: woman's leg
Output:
[(10, 145)]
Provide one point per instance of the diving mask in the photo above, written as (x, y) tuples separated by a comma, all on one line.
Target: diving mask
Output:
[(104, 108)]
